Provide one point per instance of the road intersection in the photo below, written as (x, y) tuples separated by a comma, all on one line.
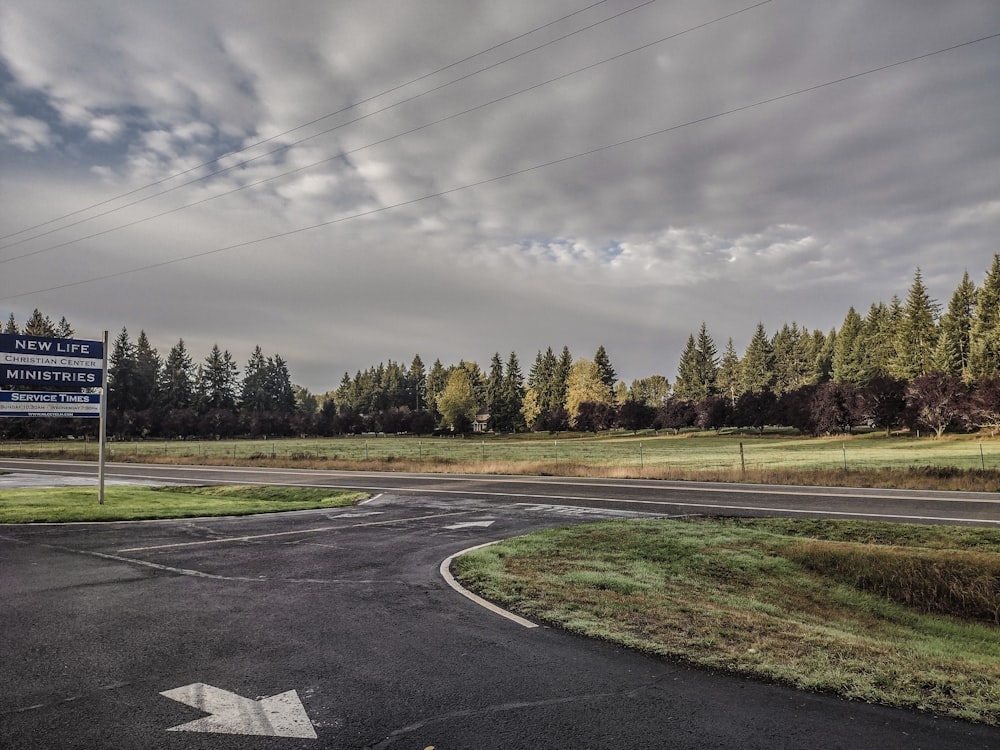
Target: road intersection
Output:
[(118, 635)]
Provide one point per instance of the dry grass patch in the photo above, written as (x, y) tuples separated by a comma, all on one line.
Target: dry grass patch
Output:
[(734, 595)]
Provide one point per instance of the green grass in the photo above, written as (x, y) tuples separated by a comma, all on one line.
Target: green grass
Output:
[(126, 503), (735, 595), (955, 462)]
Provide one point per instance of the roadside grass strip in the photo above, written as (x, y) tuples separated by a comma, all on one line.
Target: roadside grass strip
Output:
[(899, 615), (130, 503)]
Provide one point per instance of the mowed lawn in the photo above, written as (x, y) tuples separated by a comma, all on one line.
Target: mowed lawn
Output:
[(127, 503)]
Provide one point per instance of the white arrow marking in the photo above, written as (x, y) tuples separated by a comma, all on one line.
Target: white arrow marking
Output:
[(469, 524), (280, 715)]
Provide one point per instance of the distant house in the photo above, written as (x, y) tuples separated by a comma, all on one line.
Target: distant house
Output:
[(482, 422)]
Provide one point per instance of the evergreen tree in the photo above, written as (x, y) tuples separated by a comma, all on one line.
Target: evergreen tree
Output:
[(177, 385), (39, 325), (686, 382), (757, 365), (984, 354), (279, 385), (513, 394), (11, 327), (147, 373), (876, 343), (64, 330), (728, 380), (916, 334), (437, 381), (794, 359), (416, 378), (560, 385), (495, 401), (604, 369), (825, 346), (847, 351), (218, 381), (698, 368), (956, 330), (253, 391), (122, 374)]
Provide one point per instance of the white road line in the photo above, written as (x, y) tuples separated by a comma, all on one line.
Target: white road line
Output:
[(445, 570)]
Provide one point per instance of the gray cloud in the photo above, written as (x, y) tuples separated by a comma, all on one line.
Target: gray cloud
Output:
[(790, 210)]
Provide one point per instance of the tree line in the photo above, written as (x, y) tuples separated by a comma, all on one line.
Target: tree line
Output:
[(902, 364)]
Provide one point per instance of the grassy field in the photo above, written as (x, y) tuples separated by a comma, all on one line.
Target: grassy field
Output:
[(851, 608), (955, 462), (66, 504)]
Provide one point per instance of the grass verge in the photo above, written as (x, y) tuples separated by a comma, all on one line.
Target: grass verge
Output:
[(127, 503), (743, 596)]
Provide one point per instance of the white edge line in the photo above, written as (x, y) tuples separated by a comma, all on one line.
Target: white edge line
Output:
[(450, 580)]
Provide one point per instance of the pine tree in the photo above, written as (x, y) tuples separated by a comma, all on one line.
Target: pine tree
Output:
[(64, 330), (916, 334), (728, 378), (416, 378), (514, 394), (847, 356), (39, 325), (122, 374), (604, 369), (147, 373), (177, 385), (984, 355), (706, 362), (495, 401), (757, 365), (11, 327), (956, 330), (218, 380), (686, 382), (560, 380)]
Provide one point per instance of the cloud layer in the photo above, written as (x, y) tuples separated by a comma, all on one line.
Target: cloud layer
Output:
[(747, 205)]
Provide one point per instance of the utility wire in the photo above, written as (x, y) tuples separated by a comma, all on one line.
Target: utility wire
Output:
[(289, 146), (379, 142), (327, 116), (507, 175)]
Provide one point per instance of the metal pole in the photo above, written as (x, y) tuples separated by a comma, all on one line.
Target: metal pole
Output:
[(103, 429)]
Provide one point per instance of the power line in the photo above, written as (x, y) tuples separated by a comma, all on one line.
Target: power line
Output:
[(269, 139), (381, 141), (515, 173)]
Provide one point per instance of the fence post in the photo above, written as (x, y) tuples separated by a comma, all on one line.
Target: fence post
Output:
[(844, 447), (743, 462), (641, 464), (366, 450), (982, 456)]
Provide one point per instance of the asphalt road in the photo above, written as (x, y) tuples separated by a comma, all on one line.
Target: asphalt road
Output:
[(348, 609)]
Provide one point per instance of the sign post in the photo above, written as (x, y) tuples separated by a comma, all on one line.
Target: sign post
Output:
[(103, 428), (47, 361)]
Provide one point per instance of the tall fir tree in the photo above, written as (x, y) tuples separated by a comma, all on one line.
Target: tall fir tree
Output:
[(147, 373), (916, 334), (604, 369), (848, 351), (728, 380), (984, 354), (757, 365), (956, 330), (122, 374), (176, 389)]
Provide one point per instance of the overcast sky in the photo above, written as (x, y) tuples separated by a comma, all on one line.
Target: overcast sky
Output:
[(746, 202)]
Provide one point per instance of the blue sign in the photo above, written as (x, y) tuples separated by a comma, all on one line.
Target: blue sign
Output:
[(46, 404), (38, 360)]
